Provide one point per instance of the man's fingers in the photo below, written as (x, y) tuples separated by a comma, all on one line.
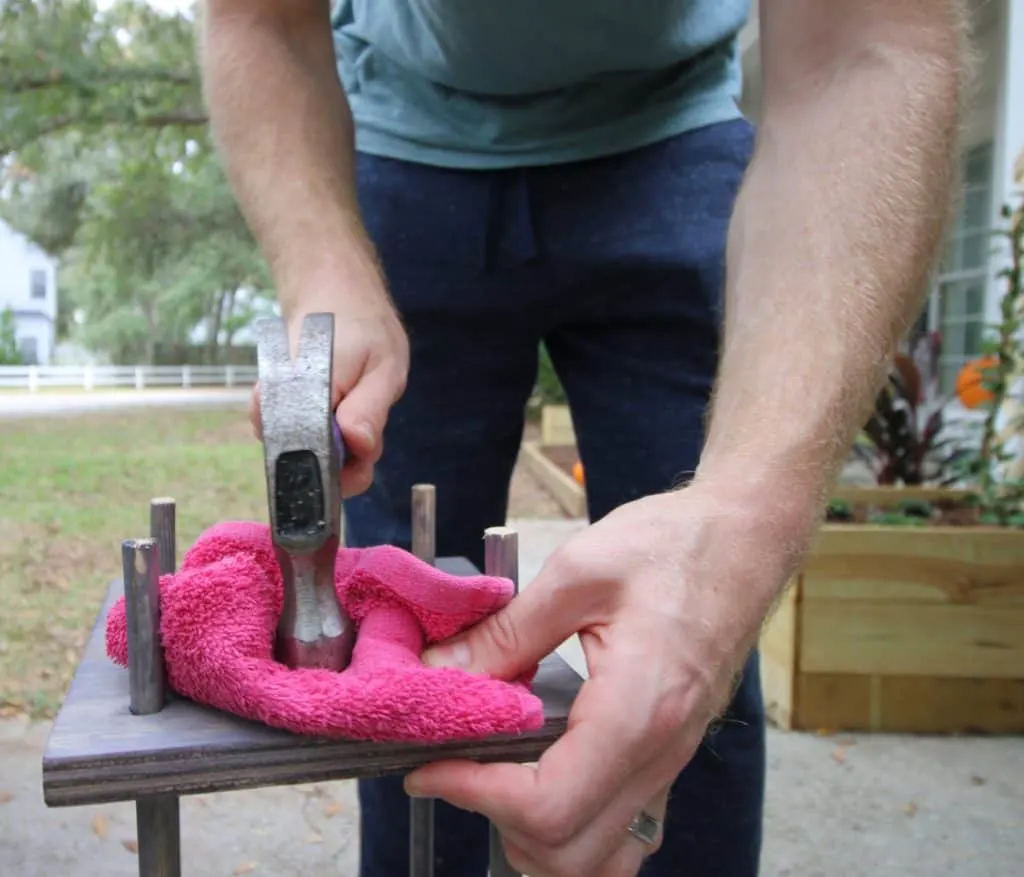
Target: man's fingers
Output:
[(496, 790), (364, 411), (513, 640), (584, 775), (255, 417), (356, 477)]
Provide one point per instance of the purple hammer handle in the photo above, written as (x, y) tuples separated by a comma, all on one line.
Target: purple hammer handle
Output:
[(339, 442)]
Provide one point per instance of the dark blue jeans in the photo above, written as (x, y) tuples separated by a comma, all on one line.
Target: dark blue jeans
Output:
[(618, 264)]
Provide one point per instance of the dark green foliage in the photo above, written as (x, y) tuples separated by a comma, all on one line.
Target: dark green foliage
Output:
[(9, 354), (906, 444), (838, 511), (66, 67), (110, 167), (549, 387)]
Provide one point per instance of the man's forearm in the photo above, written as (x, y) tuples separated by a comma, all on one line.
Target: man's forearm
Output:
[(833, 237), (283, 128)]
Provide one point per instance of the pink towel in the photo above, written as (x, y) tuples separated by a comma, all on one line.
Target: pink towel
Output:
[(220, 610)]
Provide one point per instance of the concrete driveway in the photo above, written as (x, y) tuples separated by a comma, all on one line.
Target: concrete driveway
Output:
[(845, 806), (24, 404)]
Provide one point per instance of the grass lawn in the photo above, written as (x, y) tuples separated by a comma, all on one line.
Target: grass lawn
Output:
[(71, 489)]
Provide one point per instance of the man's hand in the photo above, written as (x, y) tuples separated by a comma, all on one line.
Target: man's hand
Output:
[(668, 594), (284, 130), (371, 363)]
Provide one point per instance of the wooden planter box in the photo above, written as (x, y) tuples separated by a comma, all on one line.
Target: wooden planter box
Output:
[(550, 460), (556, 426), (898, 629)]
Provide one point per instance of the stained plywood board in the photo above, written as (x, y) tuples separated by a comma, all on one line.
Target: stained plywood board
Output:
[(99, 752)]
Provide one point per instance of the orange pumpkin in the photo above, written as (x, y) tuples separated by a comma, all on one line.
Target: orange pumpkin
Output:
[(970, 389), (577, 472)]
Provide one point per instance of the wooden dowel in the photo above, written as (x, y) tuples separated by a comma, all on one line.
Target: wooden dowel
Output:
[(162, 527), (158, 823), (140, 561), (421, 810), (424, 522), (501, 554), (157, 817), (501, 558)]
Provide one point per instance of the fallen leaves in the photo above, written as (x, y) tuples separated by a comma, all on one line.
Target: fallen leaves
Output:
[(101, 826), (332, 809), (839, 755), (6, 797), (314, 838), (910, 808), (245, 868), (131, 845)]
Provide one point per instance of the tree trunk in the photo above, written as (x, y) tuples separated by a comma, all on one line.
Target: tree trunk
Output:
[(229, 322), (215, 323)]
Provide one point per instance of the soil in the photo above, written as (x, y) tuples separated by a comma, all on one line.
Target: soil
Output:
[(936, 514)]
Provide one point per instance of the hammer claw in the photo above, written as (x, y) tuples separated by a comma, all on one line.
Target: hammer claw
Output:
[(316, 347), (302, 455)]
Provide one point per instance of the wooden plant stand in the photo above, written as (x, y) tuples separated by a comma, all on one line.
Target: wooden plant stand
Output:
[(101, 750)]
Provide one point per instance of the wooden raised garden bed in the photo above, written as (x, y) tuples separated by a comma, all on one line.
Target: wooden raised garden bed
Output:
[(551, 460), (901, 629), (916, 629)]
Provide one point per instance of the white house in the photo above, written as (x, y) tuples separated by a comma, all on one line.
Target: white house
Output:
[(28, 286), (966, 290)]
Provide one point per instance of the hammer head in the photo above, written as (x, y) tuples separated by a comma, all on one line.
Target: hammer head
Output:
[(303, 456)]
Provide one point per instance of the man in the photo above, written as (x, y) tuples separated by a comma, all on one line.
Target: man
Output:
[(577, 171)]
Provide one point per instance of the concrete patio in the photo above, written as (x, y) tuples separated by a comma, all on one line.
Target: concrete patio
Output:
[(838, 806)]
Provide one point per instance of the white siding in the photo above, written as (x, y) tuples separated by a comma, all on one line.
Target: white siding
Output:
[(28, 285)]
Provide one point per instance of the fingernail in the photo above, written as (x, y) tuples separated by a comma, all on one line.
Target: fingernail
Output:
[(412, 788), (454, 655), (366, 431)]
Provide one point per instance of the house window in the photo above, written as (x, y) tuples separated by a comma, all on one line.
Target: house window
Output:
[(958, 306), (28, 348), (37, 283)]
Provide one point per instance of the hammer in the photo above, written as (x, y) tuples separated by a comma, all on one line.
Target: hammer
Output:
[(303, 454)]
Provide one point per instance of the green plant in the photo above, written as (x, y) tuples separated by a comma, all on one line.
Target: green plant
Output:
[(838, 510), (549, 387), (1000, 491), (9, 354), (905, 441)]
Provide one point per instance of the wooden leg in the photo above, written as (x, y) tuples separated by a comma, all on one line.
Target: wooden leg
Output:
[(158, 824), (157, 817), (421, 810), (501, 558)]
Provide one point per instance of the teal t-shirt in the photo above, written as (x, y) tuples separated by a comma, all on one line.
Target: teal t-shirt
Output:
[(499, 83)]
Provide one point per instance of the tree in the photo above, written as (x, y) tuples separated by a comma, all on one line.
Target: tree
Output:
[(9, 354), (64, 66), (108, 164)]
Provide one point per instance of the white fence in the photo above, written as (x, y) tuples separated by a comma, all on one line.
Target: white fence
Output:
[(139, 377)]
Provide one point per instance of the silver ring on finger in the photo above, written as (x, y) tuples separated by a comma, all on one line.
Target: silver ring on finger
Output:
[(645, 828)]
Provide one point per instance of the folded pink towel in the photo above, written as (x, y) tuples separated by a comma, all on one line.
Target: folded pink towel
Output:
[(218, 617)]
